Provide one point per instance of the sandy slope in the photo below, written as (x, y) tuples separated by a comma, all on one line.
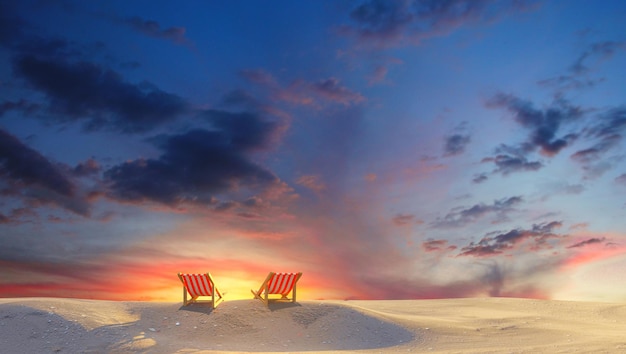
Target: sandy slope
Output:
[(494, 325)]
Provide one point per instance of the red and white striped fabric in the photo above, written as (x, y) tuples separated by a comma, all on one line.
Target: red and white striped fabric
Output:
[(198, 285), (281, 283)]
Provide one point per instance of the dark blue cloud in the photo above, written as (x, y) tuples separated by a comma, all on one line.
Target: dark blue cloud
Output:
[(22, 166), (456, 143), (507, 164), (244, 131), (480, 178), (199, 164), (97, 95), (544, 127), (11, 24), (542, 124), (74, 87), (31, 178)]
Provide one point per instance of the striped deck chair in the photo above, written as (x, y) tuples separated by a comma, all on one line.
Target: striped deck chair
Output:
[(278, 283), (199, 285)]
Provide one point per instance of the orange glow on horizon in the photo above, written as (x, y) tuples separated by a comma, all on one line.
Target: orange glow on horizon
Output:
[(148, 272)]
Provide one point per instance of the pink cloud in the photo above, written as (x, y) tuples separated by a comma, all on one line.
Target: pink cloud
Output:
[(313, 183), (302, 92), (332, 90), (437, 246), (403, 219)]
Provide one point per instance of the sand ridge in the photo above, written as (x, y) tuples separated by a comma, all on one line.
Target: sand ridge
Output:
[(64, 325), (490, 325)]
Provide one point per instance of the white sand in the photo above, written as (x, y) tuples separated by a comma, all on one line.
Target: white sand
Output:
[(493, 325)]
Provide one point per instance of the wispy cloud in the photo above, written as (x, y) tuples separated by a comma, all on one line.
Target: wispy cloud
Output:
[(22, 105), (606, 132), (578, 74), (153, 29), (332, 90), (301, 92), (590, 241), (403, 219), (598, 51), (147, 27), (378, 75), (312, 182), (510, 162), (465, 216), (456, 143), (537, 236), (400, 22), (621, 179), (480, 177), (437, 246)]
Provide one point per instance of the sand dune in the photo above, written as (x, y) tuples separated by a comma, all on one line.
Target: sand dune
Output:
[(493, 325)]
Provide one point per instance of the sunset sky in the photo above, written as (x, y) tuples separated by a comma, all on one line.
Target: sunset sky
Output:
[(386, 149)]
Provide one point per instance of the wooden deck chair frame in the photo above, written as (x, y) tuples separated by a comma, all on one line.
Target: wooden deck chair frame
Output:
[(265, 291), (193, 294)]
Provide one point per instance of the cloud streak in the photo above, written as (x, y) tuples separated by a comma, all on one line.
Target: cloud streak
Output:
[(538, 237), (605, 133), (305, 93), (590, 241), (401, 22), (464, 217), (456, 143), (153, 29)]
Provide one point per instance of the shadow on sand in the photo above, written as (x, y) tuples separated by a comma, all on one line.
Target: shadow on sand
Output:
[(200, 308)]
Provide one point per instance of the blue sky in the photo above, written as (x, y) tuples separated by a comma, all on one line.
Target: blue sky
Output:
[(387, 149)]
